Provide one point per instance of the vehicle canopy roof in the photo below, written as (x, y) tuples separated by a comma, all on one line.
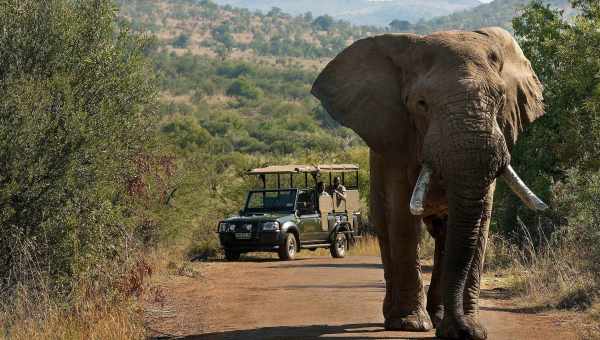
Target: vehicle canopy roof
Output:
[(303, 168)]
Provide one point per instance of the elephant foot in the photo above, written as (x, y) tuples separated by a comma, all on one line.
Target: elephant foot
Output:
[(461, 327), (436, 314), (417, 321)]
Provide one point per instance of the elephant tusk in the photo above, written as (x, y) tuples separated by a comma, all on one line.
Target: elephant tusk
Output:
[(418, 196), (522, 191)]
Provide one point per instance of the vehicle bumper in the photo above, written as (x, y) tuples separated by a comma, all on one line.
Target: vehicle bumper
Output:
[(265, 241)]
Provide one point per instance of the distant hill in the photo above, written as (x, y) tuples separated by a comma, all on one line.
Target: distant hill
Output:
[(202, 27), (361, 12), (495, 13)]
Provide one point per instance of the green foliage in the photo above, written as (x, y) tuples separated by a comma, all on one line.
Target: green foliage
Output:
[(186, 132), (181, 41), (496, 13), (76, 107), (272, 34), (559, 154), (323, 23), (244, 88), (400, 25), (564, 56)]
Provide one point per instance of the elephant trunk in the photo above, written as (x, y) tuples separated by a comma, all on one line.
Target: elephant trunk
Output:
[(466, 215)]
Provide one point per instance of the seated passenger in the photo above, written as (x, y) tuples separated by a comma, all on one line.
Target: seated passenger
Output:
[(338, 189), (321, 189)]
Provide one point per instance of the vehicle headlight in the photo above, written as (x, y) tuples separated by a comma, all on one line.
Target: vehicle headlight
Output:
[(270, 226), (231, 228), (222, 227)]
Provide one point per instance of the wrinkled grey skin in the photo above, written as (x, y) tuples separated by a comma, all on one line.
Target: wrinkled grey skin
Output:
[(455, 101)]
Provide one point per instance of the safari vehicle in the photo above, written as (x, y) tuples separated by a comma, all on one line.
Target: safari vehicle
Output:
[(290, 217)]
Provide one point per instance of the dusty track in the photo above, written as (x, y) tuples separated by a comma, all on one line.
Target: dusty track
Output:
[(309, 299)]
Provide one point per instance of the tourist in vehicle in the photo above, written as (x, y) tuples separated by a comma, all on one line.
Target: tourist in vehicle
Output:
[(338, 189), (321, 189)]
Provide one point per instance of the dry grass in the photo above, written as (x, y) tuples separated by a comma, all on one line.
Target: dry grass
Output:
[(550, 274), (92, 320), (366, 246), (590, 325), (108, 307)]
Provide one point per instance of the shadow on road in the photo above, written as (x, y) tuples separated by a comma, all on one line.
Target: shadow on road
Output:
[(518, 310), (331, 265), (359, 265), (249, 259), (337, 286), (355, 331)]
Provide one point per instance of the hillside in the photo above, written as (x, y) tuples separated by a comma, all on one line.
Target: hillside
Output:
[(495, 13), (362, 12), (204, 28)]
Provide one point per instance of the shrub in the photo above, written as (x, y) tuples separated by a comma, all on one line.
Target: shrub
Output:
[(182, 41), (76, 105), (244, 88)]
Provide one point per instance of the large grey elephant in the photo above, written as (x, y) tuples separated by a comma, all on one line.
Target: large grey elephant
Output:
[(440, 114)]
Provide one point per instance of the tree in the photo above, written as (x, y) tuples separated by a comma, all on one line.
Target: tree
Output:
[(564, 145), (400, 25), (323, 23), (244, 88), (181, 41)]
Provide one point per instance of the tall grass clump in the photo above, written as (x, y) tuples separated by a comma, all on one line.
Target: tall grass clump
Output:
[(76, 106), (561, 269)]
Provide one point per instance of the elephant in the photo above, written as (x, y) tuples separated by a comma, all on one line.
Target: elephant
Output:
[(440, 114)]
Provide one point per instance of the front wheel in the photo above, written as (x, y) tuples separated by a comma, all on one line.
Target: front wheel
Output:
[(338, 248), (287, 250)]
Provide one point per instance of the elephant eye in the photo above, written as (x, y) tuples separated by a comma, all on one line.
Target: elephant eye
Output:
[(493, 57)]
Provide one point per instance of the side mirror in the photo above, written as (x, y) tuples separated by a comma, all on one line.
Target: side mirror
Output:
[(241, 212)]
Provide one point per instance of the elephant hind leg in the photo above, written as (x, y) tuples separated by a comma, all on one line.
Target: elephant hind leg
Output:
[(435, 303)]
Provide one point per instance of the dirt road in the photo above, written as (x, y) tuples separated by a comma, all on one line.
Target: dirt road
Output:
[(308, 299)]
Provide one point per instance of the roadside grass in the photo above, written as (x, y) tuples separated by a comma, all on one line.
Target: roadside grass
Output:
[(552, 274), (368, 245), (92, 319)]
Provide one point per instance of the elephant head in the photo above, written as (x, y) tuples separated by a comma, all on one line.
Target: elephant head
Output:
[(458, 100), (453, 104)]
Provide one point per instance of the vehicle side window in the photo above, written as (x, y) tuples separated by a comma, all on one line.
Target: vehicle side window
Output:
[(305, 202)]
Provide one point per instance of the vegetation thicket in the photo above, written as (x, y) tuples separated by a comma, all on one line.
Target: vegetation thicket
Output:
[(556, 254), (496, 13), (204, 28), (77, 109)]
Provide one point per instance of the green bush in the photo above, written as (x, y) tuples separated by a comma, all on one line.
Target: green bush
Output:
[(76, 105), (182, 41), (244, 88)]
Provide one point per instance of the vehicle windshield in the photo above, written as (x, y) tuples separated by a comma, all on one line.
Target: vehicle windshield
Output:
[(271, 200)]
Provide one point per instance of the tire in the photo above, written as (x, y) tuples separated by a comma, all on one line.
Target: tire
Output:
[(339, 246), (287, 249), (232, 255)]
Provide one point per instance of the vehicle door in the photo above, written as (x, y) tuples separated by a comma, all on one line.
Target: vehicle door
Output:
[(309, 221)]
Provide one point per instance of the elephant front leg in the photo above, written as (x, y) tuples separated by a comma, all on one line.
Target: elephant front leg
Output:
[(435, 303), (398, 231)]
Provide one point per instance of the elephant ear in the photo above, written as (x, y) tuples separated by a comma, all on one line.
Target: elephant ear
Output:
[(524, 101), (362, 89)]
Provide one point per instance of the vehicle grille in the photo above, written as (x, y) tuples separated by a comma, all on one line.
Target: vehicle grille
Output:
[(246, 227)]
